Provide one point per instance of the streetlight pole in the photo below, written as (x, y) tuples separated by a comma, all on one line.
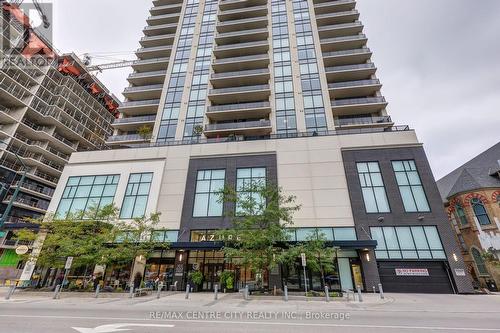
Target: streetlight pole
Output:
[(5, 214)]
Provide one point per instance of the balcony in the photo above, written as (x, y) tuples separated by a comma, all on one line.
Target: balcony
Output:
[(159, 40), (246, 128), (127, 139), (242, 13), (35, 205), (166, 9), (353, 106), (6, 116), (150, 65), (137, 108), (244, 62), (343, 43), (14, 244), (131, 123), (248, 77), (350, 72), (359, 122), (241, 36), (339, 30), (12, 94), (241, 49), (143, 92), (243, 24), (347, 16), (347, 57), (154, 77), (240, 94), (163, 19), (334, 6), (238, 111), (153, 52), (351, 89), (161, 29), (37, 190), (235, 4)]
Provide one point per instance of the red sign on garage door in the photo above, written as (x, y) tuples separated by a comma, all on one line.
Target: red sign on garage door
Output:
[(412, 272)]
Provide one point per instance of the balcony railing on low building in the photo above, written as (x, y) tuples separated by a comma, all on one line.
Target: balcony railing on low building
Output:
[(238, 106), (238, 125), (131, 120), (355, 101), (363, 121)]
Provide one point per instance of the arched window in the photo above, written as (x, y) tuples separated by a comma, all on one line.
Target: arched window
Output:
[(480, 211), (478, 259), (460, 214)]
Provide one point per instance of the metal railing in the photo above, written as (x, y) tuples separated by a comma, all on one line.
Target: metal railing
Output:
[(127, 137), (23, 201), (135, 119), (356, 101), (14, 243), (240, 73), (239, 89), (238, 125), (238, 106), (350, 67), (36, 188), (362, 121), (357, 83), (44, 176)]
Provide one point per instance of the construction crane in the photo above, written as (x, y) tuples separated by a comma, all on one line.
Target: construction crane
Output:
[(36, 3), (87, 60)]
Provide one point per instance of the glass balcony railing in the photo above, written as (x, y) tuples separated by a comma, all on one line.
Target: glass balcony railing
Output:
[(150, 61), (144, 88), (241, 89), (238, 125), (128, 137), (146, 74), (36, 188), (240, 73), (340, 26), (363, 121), (363, 50), (241, 32), (238, 106), (241, 45), (343, 39), (358, 83), (38, 205), (338, 14), (132, 120), (349, 67), (154, 48), (356, 101), (241, 59), (141, 103)]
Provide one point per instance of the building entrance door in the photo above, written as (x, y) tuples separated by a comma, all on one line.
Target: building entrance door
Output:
[(211, 273)]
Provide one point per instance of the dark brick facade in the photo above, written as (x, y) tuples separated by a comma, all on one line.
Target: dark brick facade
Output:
[(230, 164), (398, 216)]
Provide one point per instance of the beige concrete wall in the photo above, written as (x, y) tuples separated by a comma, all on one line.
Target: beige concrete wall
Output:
[(309, 168)]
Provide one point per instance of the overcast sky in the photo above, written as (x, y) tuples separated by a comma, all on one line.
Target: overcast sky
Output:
[(439, 61)]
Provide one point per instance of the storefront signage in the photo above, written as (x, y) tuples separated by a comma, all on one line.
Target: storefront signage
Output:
[(459, 272), (412, 272), (179, 269), (209, 237)]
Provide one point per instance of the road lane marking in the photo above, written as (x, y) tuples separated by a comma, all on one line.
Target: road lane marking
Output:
[(400, 327)]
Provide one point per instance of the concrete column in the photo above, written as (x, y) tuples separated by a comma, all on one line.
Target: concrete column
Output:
[(370, 270)]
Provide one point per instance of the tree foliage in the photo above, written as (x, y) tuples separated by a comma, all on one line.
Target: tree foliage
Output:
[(96, 237), (259, 236)]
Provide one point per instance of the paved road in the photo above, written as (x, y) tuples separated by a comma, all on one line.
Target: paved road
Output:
[(172, 313)]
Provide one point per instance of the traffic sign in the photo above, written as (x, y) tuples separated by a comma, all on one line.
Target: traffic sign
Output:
[(69, 262), (303, 257), (22, 249)]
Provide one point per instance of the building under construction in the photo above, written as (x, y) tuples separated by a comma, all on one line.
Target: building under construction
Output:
[(50, 107)]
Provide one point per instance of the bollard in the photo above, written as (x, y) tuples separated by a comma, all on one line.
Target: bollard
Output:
[(216, 291), (360, 298), (374, 290), (286, 293), (327, 294), (381, 291), (188, 289), (347, 294), (11, 292), (274, 291), (158, 293), (56, 292), (246, 292), (131, 292), (97, 290)]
